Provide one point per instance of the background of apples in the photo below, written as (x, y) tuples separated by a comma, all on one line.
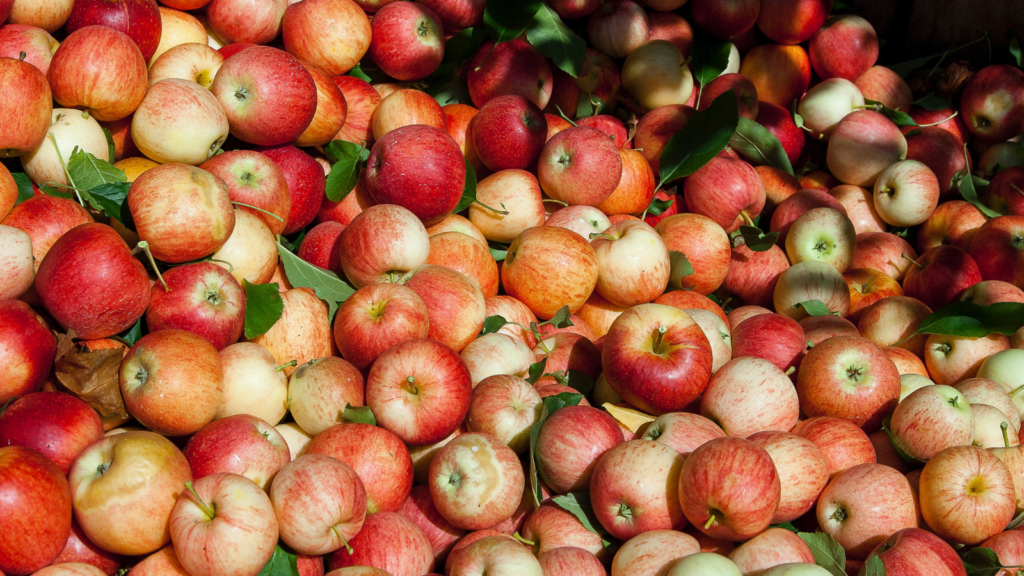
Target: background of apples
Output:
[(380, 247)]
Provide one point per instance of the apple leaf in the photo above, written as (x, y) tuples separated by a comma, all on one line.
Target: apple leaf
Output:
[(965, 183), (709, 57), (658, 206), (814, 308), (552, 38), (131, 335), (759, 146), (898, 118), (24, 184), (706, 134), (588, 106), (974, 320), (886, 427), (357, 72), (983, 562), (263, 307), (551, 405), (681, 268), (110, 199), (498, 251), (874, 567), (1015, 51), (578, 504), (492, 324), (560, 319), (827, 552), (347, 163), (327, 285), (506, 20), (282, 563), (757, 240), (536, 371), (574, 379), (358, 415), (786, 526), (111, 148), (93, 377), (468, 190), (88, 171), (444, 84), (931, 101)]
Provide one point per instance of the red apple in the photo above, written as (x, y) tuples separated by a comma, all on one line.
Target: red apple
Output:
[(58, 426), (844, 47), (967, 494), (580, 166), (508, 132), (672, 27), (306, 184), (940, 275), (633, 263), (178, 121), (792, 21), (361, 100), (239, 444), (420, 509), (320, 246), (863, 144), (998, 249), (549, 267), (916, 552), (842, 443), (244, 22), (390, 542), (457, 15), (954, 222), (930, 420), (201, 298), (35, 514), (139, 19), (476, 481), (773, 337), (777, 120), (618, 28), (653, 552), (992, 102), (101, 70), (749, 395), (335, 49), (868, 286), (883, 251), (512, 67), (550, 527), (381, 244), (81, 550), (28, 350), (881, 84), (455, 305), (706, 246), (894, 320), (655, 128), (725, 190), (752, 276), (570, 444), (407, 41), (941, 151), (771, 548), (376, 318), (405, 107), (726, 19), (330, 114), (802, 468), (743, 89), (795, 206), (36, 43), (780, 73)]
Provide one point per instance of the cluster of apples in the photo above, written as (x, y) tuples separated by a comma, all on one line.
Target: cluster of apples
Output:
[(516, 343)]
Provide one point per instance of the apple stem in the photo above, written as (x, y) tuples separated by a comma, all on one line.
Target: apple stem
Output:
[(231, 267), (1014, 186), (22, 55), (912, 261), (286, 365), (790, 370), (601, 235), (656, 346), (1006, 439), (267, 212), (564, 117), (503, 211), (710, 521), (1015, 390), (555, 201), (411, 388), (493, 46), (746, 218), (344, 541), (65, 166), (940, 121), (144, 246), (206, 508), (524, 540)]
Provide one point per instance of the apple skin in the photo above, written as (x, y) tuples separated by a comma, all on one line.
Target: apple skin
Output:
[(570, 444), (455, 305), (868, 286), (391, 542), (253, 178), (803, 471), (475, 481), (618, 28), (163, 562), (624, 278), (580, 166), (655, 128), (81, 550), (894, 320), (932, 419), (58, 426), (881, 84), (749, 395), (955, 222), (998, 249), (863, 144), (951, 359), (822, 235), (242, 526), (306, 184), (566, 262), (817, 329), (35, 514), (320, 390), (420, 509), (848, 377), (723, 189), (367, 259), (420, 168), (570, 561), (201, 298), (29, 108), (406, 107), (1002, 195), (1006, 545), (139, 19), (940, 275), (657, 371), (29, 350), (179, 121), (407, 40), (320, 504), (883, 251), (985, 391), (906, 193), (97, 295), (100, 69), (967, 495), (862, 506), (792, 21), (468, 255), (706, 246), (798, 204), (743, 89), (776, 338), (653, 552), (379, 457), (37, 44), (508, 133), (726, 20), (672, 27), (773, 547), (843, 443), (779, 122), (860, 208), (512, 67), (941, 151), (498, 555), (992, 102), (917, 552), (844, 47), (280, 95), (376, 318), (780, 73), (243, 22), (752, 276), (125, 509), (240, 444), (735, 513), (361, 100), (550, 527), (196, 62), (682, 431), (457, 15)]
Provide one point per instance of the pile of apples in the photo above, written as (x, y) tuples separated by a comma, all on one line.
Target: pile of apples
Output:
[(380, 287)]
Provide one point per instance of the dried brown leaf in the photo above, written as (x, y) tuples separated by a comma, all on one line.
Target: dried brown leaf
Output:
[(93, 377)]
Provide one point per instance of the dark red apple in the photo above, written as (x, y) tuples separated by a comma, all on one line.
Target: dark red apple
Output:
[(939, 150), (998, 250), (940, 275), (509, 132), (320, 246), (727, 190), (743, 89), (992, 103), (1004, 191), (779, 122), (57, 425), (35, 510), (407, 41), (202, 298), (611, 126), (27, 349), (139, 19), (725, 19), (306, 184), (774, 337), (512, 67)]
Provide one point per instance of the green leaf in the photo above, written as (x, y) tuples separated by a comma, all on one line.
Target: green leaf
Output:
[(469, 190), (560, 319), (932, 102), (874, 567), (90, 172), (552, 38), (759, 146), (974, 320), (110, 199), (293, 245), (814, 308), (326, 284), (492, 324), (886, 427), (585, 107), (827, 552), (358, 415), (580, 382), (708, 58), (263, 307), (444, 83), (681, 268), (578, 504), (969, 193), (757, 240), (1015, 51), (983, 562), (536, 371), (498, 251), (357, 72), (111, 148), (132, 335), (506, 20), (658, 206), (898, 118), (786, 526), (706, 134), (555, 403), (3, 408), (348, 162), (903, 69), (24, 184), (282, 563)]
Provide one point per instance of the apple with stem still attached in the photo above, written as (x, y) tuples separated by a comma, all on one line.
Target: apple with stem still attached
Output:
[(940, 275), (201, 298), (906, 193), (256, 180), (727, 190), (240, 444), (407, 40), (390, 542), (320, 390)]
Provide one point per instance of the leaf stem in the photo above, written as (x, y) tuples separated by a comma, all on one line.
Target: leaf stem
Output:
[(65, 167)]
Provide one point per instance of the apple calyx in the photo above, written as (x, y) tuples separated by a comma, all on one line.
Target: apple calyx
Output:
[(286, 365), (839, 515), (144, 246), (855, 373), (209, 509), (348, 548), (267, 212), (626, 512), (976, 486), (422, 29), (102, 468), (141, 376)]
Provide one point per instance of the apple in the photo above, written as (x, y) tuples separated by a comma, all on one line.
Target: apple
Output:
[(773, 547), (930, 420), (817, 329), (320, 390), (706, 246), (776, 338), (682, 431), (201, 298), (998, 249), (69, 129), (408, 108), (575, 156), (319, 502), (798, 204), (465, 254), (420, 509), (860, 208), (653, 552), (941, 151), (330, 114), (780, 73), (725, 190), (431, 187), (906, 193), (512, 67), (498, 555), (225, 512), (951, 359), (990, 392), (379, 457), (1006, 545), (505, 407), (198, 63), (917, 551), (843, 443), (519, 192), (472, 479), (514, 312), (862, 146), (28, 109), (493, 354), (35, 514), (361, 100), (459, 118), (163, 562), (250, 252), (37, 44), (240, 444), (390, 542), (655, 128), (811, 280), (792, 21), (49, 15), (570, 561), (570, 444), (967, 495), (457, 15), (124, 487), (623, 279), (101, 70), (940, 275), (1002, 195), (618, 28), (28, 353), (893, 321), (58, 426), (94, 301), (955, 222), (566, 264), (1003, 368), (306, 182), (827, 103), (549, 527), (722, 510), (252, 383), (881, 84), (750, 395), (455, 305), (910, 383), (822, 235), (382, 243), (670, 26), (845, 509), (844, 47), (508, 133), (250, 22), (79, 549), (583, 220), (295, 437), (254, 179), (654, 74), (377, 317), (868, 286), (992, 428), (992, 102), (140, 20), (636, 188), (407, 40), (190, 135), (743, 89), (657, 358), (744, 313), (177, 27), (752, 276)]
